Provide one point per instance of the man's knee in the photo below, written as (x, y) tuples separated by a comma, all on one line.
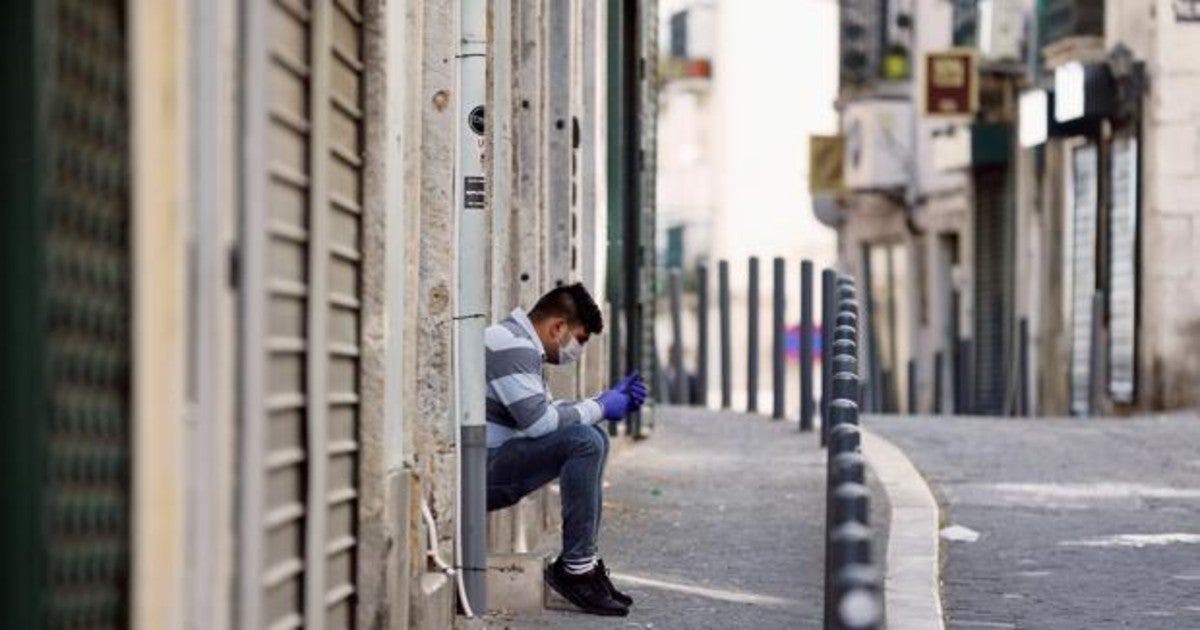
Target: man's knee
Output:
[(602, 431), (586, 440)]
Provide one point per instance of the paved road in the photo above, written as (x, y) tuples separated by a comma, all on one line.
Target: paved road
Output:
[(718, 518), (1083, 523)]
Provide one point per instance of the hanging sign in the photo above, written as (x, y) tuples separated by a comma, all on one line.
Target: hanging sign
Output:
[(951, 85)]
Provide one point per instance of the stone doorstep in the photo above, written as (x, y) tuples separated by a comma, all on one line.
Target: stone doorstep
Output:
[(514, 581)]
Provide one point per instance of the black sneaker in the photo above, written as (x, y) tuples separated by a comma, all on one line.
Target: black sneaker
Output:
[(587, 591), (602, 572)]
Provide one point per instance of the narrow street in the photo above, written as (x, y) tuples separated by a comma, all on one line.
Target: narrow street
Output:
[(1081, 523), (716, 522)]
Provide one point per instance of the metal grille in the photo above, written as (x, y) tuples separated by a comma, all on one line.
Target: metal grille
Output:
[(87, 293), (1123, 270), (306, 414), (1082, 234), (991, 295)]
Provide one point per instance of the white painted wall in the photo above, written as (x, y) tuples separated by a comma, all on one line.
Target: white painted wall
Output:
[(775, 81), (740, 153)]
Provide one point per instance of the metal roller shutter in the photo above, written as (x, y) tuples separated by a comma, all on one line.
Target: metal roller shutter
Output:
[(1081, 231), (87, 310), (992, 266), (302, 306)]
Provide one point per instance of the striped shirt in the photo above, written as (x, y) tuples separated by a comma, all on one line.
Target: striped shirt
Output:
[(519, 404)]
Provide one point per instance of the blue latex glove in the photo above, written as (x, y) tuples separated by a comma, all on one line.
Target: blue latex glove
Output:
[(633, 385), (638, 394), (615, 403), (629, 379)]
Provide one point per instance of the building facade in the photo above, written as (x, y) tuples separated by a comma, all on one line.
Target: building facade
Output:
[(249, 249), (1011, 188)]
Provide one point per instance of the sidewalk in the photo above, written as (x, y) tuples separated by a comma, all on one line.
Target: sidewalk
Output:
[(714, 522)]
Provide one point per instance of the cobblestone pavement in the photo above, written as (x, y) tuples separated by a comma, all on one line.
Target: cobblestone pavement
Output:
[(718, 518), (1083, 523)]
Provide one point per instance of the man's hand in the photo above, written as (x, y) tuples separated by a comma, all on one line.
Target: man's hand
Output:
[(616, 403), (635, 387)]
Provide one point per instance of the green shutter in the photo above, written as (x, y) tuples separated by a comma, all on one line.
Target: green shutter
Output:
[(66, 324)]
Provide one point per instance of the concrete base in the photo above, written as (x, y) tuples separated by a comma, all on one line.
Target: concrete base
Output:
[(514, 581), (433, 607)]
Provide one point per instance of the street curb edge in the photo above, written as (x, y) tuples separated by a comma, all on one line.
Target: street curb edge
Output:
[(912, 577)]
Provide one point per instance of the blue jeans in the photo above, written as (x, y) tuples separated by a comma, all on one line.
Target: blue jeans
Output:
[(575, 455)]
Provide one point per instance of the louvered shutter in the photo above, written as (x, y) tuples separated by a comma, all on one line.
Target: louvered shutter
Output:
[(301, 310)]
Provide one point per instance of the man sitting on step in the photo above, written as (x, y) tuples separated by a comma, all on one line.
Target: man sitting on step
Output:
[(533, 439)]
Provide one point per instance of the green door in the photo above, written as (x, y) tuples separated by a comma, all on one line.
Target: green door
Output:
[(66, 308)]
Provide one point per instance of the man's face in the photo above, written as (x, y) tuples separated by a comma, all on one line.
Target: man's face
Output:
[(568, 341)]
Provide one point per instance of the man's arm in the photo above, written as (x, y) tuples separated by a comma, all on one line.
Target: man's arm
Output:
[(515, 376)]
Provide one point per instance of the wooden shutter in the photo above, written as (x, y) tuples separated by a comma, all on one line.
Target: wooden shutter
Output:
[(301, 312)]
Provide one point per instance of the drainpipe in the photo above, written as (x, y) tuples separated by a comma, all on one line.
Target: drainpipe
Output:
[(472, 300)]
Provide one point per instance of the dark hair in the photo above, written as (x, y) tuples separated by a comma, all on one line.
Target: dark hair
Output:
[(572, 303)]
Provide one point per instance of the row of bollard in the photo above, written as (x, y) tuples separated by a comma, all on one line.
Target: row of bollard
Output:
[(853, 598), (853, 595), (952, 371), (693, 389)]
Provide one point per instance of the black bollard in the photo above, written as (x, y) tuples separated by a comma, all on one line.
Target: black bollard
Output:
[(680, 382), (845, 436), (778, 340), (851, 502), (938, 387), (845, 332), (1023, 368), (848, 306), (842, 411), (726, 338), (912, 386), (846, 363), (846, 319), (847, 467), (827, 325), (701, 335), (844, 387), (851, 544), (858, 604), (752, 297), (806, 353)]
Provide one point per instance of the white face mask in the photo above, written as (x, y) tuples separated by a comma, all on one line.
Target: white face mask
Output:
[(570, 353)]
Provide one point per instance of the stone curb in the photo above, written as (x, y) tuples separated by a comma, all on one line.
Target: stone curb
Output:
[(912, 582)]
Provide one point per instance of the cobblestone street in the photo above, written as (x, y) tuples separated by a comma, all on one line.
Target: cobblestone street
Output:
[(1082, 523)]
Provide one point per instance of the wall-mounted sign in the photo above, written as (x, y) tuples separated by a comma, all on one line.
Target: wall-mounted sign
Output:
[(1001, 27), (1083, 90), (1034, 111), (951, 86), (825, 156), (878, 137)]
